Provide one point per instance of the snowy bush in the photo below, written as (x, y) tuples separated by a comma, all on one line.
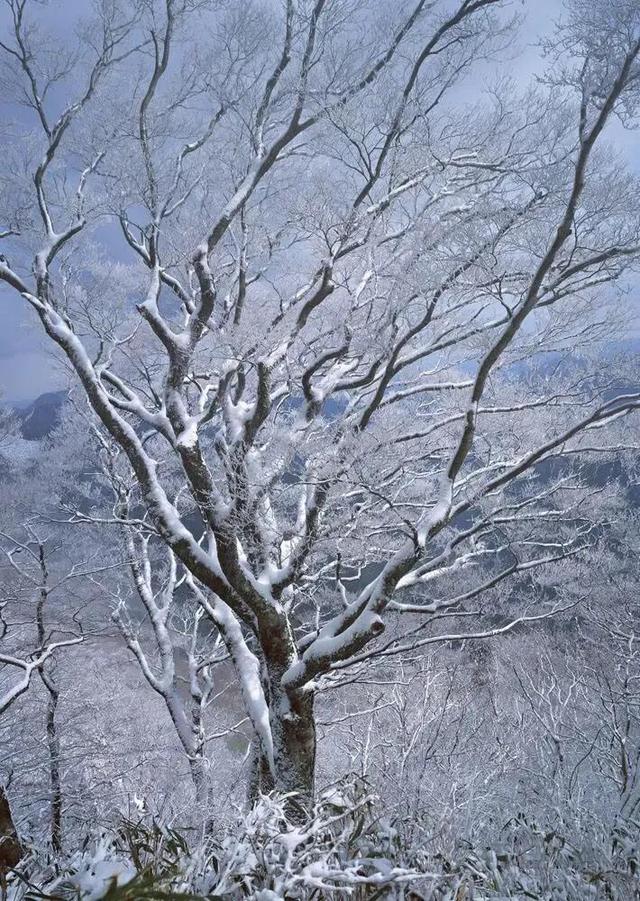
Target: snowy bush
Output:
[(544, 864), (269, 854), (342, 849)]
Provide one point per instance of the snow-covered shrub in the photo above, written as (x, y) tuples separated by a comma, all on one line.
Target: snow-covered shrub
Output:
[(137, 860), (543, 863), (268, 854), (341, 846), (343, 849)]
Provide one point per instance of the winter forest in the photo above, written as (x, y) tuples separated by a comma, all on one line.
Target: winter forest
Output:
[(319, 548)]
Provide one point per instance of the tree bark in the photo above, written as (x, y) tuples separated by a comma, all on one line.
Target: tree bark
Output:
[(53, 742), (11, 852), (198, 769), (294, 752), (261, 780), (294, 747)]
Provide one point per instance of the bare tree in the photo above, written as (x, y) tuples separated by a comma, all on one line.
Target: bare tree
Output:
[(30, 557), (170, 635), (28, 664), (339, 273)]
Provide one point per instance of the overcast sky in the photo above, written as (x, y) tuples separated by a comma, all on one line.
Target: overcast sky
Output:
[(27, 362)]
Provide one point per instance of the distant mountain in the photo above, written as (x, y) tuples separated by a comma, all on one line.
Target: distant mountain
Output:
[(40, 417)]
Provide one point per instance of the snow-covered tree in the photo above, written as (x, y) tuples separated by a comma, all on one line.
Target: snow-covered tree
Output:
[(335, 364), (29, 645)]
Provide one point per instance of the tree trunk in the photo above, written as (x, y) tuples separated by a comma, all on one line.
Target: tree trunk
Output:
[(292, 721), (294, 747), (199, 777), (11, 852), (53, 743), (49, 682), (260, 777)]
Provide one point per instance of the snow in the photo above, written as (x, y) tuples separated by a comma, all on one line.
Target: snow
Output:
[(331, 648), (100, 870), (237, 416), (247, 667), (438, 513), (19, 450), (188, 438)]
